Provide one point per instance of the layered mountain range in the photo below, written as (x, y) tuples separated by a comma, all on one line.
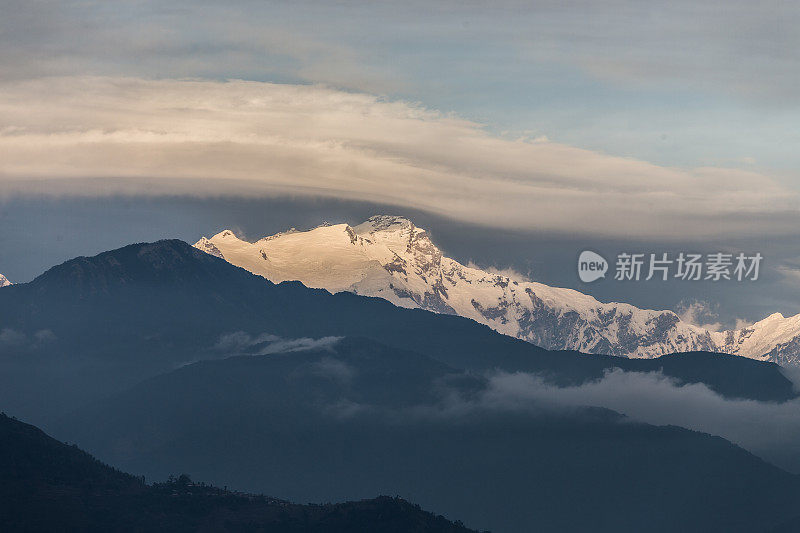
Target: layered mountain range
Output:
[(391, 258), (159, 359), (96, 325)]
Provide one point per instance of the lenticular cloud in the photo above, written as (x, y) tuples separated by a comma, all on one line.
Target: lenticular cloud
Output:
[(240, 137)]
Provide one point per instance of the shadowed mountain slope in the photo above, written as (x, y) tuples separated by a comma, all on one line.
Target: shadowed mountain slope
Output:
[(357, 418), (46, 485)]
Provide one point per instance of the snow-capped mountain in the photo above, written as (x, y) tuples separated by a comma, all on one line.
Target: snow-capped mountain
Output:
[(4, 281), (775, 338), (391, 258)]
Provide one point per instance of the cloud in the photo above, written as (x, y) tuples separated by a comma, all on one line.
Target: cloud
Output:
[(770, 430), (790, 272), (508, 272), (746, 49), (300, 345), (699, 313), (243, 138), (182, 38), (239, 340), (11, 339), (242, 343)]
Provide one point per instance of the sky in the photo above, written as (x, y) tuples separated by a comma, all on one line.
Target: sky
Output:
[(549, 127)]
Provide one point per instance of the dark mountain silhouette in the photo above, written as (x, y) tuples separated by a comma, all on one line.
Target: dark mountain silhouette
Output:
[(105, 350), (93, 326), (46, 485), (358, 418)]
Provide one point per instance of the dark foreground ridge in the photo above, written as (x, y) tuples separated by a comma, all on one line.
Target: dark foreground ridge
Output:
[(46, 485)]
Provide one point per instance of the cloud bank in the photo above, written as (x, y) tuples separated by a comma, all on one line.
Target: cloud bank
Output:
[(746, 48), (769, 430), (252, 138)]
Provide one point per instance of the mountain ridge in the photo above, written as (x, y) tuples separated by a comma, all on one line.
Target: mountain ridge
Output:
[(391, 258), (75, 332), (138, 319), (46, 485), (359, 418)]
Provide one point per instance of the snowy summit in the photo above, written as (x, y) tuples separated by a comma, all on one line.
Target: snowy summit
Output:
[(391, 258)]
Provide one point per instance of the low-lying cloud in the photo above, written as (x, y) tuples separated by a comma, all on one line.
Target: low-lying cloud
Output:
[(12, 340), (769, 430), (240, 340), (252, 138), (242, 343)]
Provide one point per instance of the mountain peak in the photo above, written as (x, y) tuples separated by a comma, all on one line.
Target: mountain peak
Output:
[(4, 281), (165, 261), (398, 233), (225, 234), (378, 223)]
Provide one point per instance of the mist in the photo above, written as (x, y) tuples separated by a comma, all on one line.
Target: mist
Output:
[(769, 430)]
